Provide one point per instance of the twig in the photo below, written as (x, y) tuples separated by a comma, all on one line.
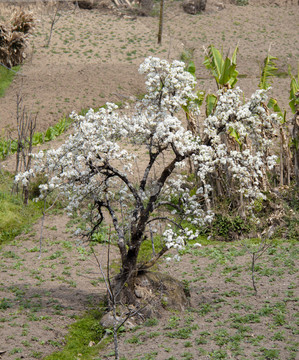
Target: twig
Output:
[(255, 255)]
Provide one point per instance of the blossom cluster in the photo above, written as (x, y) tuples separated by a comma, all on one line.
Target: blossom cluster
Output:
[(168, 86), (239, 136)]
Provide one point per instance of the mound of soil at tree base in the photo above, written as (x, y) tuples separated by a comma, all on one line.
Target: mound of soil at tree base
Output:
[(153, 293)]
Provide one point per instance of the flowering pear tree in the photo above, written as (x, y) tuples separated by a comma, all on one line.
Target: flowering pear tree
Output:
[(94, 169)]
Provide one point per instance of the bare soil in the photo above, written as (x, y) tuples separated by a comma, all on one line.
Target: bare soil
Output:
[(41, 295), (93, 57)]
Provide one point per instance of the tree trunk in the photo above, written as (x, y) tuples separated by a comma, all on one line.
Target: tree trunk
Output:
[(161, 21)]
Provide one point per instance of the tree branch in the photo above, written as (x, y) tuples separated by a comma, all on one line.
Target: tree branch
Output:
[(153, 157), (123, 177), (164, 218), (147, 265), (121, 239)]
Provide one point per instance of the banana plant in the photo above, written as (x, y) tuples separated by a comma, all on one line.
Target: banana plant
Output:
[(200, 96), (269, 70), (273, 104), (223, 70)]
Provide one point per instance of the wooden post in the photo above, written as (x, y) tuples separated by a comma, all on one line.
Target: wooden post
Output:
[(161, 21)]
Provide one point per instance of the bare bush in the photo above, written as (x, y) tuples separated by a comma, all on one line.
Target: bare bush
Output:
[(14, 38)]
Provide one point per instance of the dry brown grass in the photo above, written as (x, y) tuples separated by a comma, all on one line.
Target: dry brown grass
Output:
[(14, 37)]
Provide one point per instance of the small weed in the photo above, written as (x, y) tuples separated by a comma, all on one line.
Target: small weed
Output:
[(187, 356), (221, 337), (173, 322), (218, 355), (183, 333), (240, 2), (55, 255), (15, 351), (270, 354), (151, 356), (279, 319), (26, 343), (151, 322), (188, 344), (154, 334), (134, 340), (37, 354), (278, 336), (10, 255)]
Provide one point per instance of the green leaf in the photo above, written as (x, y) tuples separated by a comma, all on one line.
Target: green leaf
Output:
[(234, 134), (213, 62), (234, 57), (218, 60), (268, 71), (50, 134), (273, 104), (224, 71), (38, 138), (200, 96), (229, 74), (294, 93), (191, 68), (211, 103), (295, 143)]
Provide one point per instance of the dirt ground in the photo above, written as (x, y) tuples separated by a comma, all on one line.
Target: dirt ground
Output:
[(93, 57), (41, 295)]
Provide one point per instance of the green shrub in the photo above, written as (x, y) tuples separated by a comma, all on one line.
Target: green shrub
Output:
[(227, 228)]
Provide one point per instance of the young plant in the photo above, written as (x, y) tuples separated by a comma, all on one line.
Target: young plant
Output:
[(256, 253)]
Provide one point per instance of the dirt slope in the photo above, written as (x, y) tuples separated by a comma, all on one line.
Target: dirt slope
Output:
[(94, 55)]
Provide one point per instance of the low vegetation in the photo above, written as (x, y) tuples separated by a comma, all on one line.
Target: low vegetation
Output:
[(15, 217), (6, 77)]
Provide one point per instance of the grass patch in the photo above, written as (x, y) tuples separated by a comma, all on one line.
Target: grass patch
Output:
[(84, 332), (6, 77), (15, 217)]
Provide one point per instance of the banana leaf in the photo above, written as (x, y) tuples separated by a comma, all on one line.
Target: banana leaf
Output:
[(268, 71), (224, 71), (273, 104), (294, 93), (211, 101)]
